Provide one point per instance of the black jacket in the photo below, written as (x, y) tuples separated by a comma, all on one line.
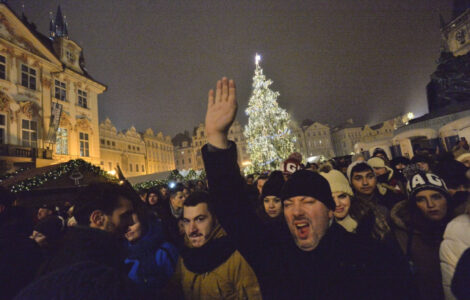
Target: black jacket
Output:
[(343, 266)]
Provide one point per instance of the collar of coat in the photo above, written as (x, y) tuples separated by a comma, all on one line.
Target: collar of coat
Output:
[(211, 255)]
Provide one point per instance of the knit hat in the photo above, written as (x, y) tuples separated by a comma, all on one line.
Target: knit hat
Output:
[(400, 160), (353, 166), (338, 182), (426, 181), (380, 151), (290, 165), (377, 162), (51, 227), (308, 183), (273, 186)]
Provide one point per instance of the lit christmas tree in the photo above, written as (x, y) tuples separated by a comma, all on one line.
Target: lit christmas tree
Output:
[(268, 134)]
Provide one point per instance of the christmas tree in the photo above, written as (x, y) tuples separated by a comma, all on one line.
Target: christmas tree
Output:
[(268, 134)]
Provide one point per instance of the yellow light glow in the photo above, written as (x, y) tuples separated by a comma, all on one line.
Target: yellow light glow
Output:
[(246, 163), (112, 172)]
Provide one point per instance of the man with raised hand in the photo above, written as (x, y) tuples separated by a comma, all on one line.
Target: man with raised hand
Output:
[(319, 259)]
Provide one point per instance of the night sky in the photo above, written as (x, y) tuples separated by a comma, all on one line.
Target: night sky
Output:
[(331, 60)]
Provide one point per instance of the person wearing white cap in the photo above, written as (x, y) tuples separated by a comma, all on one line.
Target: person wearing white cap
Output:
[(353, 214)]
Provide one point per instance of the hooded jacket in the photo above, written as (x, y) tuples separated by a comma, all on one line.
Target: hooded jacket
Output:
[(342, 266), (420, 240), (456, 241), (216, 271)]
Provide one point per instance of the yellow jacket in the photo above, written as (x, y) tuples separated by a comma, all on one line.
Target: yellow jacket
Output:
[(233, 279)]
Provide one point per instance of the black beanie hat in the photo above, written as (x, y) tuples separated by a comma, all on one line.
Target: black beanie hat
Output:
[(273, 186), (426, 181), (308, 183)]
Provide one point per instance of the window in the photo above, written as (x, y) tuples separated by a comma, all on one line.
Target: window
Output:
[(138, 148), (129, 146), (133, 148), (102, 141), (29, 131), (3, 67), (110, 164), (82, 99), (84, 144), (143, 170), (3, 129), (182, 161), (113, 143), (60, 90), (62, 145), (130, 167), (136, 167), (189, 160), (108, 143), (28, 77)]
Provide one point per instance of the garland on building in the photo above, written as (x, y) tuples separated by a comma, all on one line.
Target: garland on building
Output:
[(175, 176), (67, 168), (268, 135)]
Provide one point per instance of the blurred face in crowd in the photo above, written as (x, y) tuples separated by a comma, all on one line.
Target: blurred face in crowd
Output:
[(343, 203), (400, 166), (153, 199), (186, 192), (364, 182), (134, 232), (43, 213), (177, 200), (380, 171), (260, 183), (307, 219), (164, 191), (198, 224), (117, 222), (432, 204), (272, 206), (424, 166), (249, 180), (39, 238)]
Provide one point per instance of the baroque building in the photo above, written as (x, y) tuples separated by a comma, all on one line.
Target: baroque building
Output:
[(135, 153), (187, 148), (313, 139), (344, 137), (48, 100)]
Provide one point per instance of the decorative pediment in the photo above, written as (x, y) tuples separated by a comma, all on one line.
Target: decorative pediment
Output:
[(149, 132), (65, 121), (14, 30), (5, 103), (28, 109), (82, 124)]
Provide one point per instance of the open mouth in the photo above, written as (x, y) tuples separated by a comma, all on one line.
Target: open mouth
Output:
[(302, 228)]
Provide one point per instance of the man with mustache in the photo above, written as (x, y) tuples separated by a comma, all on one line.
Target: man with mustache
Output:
[(210, 267), (319, 259)]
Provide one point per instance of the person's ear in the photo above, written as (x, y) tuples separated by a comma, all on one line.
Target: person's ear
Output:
[(330, 214), (97, 218)]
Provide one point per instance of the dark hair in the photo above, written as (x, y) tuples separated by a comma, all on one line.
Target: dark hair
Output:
[(179, 187), (200, 197), (155, 191), (361, 167), (99, 196), (250, 176)]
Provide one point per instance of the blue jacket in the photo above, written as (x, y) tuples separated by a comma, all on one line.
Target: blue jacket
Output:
[(152, 260)]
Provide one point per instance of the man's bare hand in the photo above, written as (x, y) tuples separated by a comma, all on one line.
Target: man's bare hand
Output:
[(221, 112)]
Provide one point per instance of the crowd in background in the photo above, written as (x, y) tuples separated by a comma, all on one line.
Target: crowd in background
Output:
[(346, 228)]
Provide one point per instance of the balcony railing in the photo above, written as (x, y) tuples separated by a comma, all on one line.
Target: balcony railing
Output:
[(20, 151)]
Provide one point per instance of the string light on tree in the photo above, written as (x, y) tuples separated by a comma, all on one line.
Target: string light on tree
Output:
[(268, 135)]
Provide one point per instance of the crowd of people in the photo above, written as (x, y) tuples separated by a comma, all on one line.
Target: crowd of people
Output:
[(351, 228)]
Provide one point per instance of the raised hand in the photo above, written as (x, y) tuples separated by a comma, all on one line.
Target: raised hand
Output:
[(221, 112)]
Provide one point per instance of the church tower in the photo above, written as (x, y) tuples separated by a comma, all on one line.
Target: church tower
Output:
[(69, 52)]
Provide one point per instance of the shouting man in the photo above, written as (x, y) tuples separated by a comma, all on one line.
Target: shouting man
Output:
[(319, 259)]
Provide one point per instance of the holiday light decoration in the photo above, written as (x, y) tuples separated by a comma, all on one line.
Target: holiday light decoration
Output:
[(268, 135)]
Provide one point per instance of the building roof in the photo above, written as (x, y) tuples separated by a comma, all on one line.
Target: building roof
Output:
[(180, 138)]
